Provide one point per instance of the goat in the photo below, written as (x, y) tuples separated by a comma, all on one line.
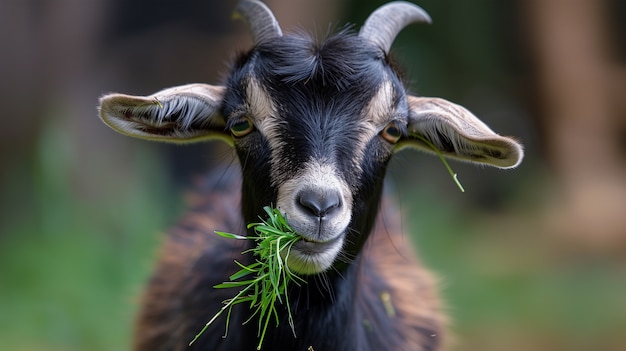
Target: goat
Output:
[(314, 125)]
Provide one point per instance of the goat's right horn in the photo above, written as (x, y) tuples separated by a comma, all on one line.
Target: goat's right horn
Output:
[(384, 24), (261, 20)]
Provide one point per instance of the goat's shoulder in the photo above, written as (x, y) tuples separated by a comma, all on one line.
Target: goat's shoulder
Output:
[(192, 259), (404, 290)]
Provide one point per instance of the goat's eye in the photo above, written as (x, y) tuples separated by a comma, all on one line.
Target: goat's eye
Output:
[(392, 132), (241, 126)]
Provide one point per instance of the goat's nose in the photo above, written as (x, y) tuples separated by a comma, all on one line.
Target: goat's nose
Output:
[(319, 203)]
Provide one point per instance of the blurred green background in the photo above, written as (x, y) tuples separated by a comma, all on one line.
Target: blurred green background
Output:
[(530, 259)]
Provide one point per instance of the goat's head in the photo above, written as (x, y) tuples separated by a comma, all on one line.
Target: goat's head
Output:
[(314, 126)]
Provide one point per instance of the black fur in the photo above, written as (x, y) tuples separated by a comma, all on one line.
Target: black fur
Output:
[(321, 91)]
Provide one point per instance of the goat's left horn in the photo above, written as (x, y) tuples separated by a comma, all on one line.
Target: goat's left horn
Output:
[(384, 24), (261, 20)]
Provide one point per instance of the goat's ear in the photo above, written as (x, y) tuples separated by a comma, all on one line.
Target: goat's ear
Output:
[(457, 133), (180, 114)]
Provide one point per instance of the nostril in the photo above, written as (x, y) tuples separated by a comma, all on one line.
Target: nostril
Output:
[(319, 203)]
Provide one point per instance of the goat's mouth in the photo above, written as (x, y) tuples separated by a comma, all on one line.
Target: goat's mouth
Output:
[(311, 257)]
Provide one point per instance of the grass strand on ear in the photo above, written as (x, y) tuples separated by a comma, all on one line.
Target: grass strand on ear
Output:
[(443, 160), (264, 282), (156, 101)]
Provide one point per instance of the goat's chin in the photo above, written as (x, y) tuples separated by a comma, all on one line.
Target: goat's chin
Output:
[(308, 258)]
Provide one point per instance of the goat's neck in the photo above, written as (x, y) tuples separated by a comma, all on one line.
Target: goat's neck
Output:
[(324, 312), (325, 308)]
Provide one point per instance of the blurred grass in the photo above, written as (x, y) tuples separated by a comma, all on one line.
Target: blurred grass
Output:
[(509, 286), (72, 265)]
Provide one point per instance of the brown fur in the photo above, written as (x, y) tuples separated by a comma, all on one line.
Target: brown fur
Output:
[(392, 279), (413, 293)]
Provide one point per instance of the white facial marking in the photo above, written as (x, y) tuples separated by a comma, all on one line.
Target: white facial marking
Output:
[(264, 114), (304, 261), (376, 115), (322, 237), (260, 103), (381, 106)]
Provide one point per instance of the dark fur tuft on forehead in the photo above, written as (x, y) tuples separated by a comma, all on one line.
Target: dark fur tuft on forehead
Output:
[(342, 61)]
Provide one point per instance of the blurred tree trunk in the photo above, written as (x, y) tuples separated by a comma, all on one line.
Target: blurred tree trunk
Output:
[(581, 120)]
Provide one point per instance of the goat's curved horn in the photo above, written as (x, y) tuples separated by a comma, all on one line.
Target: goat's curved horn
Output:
[(261, 20), (384, 24)]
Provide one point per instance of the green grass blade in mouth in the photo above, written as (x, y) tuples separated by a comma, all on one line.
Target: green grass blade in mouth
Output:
[(264, 282)]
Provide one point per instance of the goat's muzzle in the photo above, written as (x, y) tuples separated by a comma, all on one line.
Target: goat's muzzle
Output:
[(317, 205)]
